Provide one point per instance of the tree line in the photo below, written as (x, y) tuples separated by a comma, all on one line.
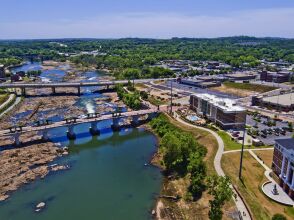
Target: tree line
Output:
[(183, 155)]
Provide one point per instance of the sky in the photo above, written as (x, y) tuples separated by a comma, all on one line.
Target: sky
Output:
[(35, 19)]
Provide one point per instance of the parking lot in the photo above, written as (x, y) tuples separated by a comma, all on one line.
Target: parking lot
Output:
[(267, 134)]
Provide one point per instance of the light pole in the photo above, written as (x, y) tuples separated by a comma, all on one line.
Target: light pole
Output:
[(242, 152), (171, 97)]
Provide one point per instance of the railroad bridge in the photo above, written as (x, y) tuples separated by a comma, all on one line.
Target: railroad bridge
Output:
[(93, 119)]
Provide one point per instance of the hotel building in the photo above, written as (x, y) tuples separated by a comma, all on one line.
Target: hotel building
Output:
[(222, 111), (283, 164)]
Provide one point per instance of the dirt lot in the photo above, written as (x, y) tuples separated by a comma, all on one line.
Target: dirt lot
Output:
[(233, 91), (253, 178)]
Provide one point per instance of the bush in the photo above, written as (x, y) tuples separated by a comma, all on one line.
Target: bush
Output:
[(279, 217)]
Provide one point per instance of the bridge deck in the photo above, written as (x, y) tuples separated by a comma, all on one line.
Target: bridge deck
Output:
[(7, 132), (71, 84)]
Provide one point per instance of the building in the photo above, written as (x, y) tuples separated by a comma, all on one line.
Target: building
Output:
[(282, 102), (241, 76), (2, 71), (199, 82), (277, 77), (283, 164), (222, 111)]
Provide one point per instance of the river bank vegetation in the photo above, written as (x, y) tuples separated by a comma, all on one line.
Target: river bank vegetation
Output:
[(132, 100), (183, 159)]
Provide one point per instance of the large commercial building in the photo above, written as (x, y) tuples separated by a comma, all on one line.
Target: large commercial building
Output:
[(283, 164), (222, 111), (282, 102), (200, 82), (242, 76)]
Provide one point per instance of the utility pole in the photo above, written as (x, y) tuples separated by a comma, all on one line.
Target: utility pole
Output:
[(242, 152), (171, 97), (133, 81)]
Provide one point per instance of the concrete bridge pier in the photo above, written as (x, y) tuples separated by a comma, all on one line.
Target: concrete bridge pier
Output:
[(16, 139), (93, 129), (45, 136), (23, 91), (79, 90), (70, 132), (135, 120), (115, 124), (53, 90)]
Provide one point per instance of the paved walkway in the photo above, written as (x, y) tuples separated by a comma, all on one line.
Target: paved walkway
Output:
[(11, 97), (217, 165), (267, 188), (256, 149)]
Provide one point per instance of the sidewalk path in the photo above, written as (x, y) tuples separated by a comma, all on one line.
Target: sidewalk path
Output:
[(11, 97), (256, 149), (282, 197), (217, 165)]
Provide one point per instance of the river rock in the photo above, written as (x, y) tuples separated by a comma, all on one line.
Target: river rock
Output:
[(40, 206)]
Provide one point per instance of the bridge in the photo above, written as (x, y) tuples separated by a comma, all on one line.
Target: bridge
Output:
[(78, 85), (93, 119)]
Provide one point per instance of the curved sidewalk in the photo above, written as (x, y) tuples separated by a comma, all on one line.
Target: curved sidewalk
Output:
[(11, 97), (217, 165), (267, 187)]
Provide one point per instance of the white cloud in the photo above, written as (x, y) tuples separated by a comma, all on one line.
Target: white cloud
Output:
[(267, 22)]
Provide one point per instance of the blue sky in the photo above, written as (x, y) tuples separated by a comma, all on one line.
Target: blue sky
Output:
[(150, 18)]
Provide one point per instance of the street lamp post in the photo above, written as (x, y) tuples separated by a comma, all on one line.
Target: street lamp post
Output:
[(242, 152), (171, 96)]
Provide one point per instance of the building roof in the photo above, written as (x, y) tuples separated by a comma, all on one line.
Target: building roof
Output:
[(286, 99), (287, 143), (242, 74), (226, 104)]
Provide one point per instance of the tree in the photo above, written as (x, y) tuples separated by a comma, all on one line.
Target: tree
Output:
[(197, 169), (290, 126), (173, 153), (219, 188), (279, 217), (144, 95)]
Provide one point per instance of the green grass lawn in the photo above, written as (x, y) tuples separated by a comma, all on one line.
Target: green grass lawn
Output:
[(228, 142), (233, 145), (155, 101), (248, 86), (3, 98)]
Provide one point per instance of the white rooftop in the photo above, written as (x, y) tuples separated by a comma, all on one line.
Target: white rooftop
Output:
[(226, 104)]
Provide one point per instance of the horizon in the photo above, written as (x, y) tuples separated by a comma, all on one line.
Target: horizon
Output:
[(147, 38), (155, 19)]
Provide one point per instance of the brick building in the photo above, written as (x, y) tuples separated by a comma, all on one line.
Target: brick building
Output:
[(277, 77), (283, 164)]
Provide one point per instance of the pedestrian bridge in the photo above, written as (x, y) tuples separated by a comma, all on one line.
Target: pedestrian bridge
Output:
[(136, 117)]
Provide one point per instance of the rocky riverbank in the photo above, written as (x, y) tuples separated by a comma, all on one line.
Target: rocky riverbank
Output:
[(23, 165)]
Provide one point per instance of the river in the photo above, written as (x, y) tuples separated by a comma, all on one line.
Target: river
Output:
[(108, 177)]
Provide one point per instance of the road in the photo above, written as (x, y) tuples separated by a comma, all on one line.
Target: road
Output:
[(217, 165), (72, 84)]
